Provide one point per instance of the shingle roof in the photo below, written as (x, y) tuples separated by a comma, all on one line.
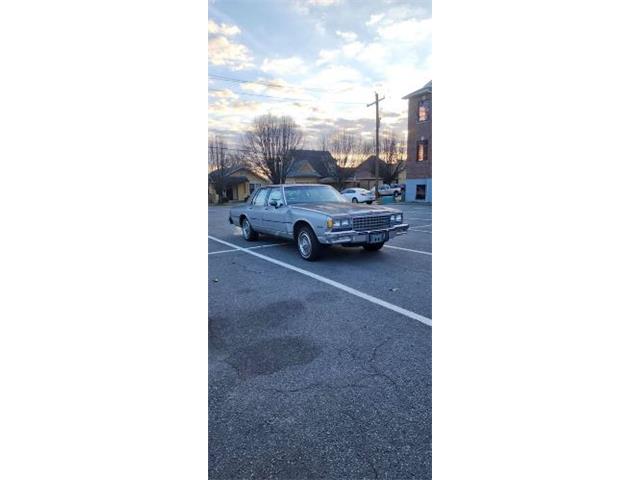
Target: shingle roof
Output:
[(425, 89), (229, 172), (228, 181), (320, 160)]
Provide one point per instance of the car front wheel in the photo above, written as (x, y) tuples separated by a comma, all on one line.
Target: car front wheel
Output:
[(248, 233), (373, 247), (308, 246)]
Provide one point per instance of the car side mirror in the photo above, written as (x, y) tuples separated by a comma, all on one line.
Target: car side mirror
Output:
[(274, 203)]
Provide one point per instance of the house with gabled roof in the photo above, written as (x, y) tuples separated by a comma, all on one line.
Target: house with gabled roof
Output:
[(312, 166), (239, 183)]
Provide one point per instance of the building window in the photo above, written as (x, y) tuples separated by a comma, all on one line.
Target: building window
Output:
[(423, 111), (421, 154), (421, 192)]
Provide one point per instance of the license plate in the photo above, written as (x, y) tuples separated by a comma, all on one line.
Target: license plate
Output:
[(377, 237)]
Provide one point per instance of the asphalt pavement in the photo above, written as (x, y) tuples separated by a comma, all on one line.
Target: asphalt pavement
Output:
[(311, 381)]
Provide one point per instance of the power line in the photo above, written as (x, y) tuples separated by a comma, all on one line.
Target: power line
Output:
[(270, 84), (287, 99), (233, 149)]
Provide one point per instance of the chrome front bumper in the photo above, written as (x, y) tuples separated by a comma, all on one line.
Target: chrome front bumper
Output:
[(351, 236)]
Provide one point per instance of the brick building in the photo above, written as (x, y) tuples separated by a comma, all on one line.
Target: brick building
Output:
[(419, 145)]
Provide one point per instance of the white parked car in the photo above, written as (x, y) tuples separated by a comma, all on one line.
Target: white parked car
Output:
[(358, 195)]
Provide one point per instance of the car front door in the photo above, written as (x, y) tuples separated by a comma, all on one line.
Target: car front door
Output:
[(274, 216)]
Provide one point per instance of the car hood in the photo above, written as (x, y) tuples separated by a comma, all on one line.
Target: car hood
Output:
[(344, 208)]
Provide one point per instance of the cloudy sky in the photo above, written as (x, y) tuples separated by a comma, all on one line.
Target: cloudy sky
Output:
[(319, 61)]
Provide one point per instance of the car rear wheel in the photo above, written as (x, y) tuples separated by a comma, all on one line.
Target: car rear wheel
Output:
[(373, 247), (308, 246), (248, 233), (354, 200)]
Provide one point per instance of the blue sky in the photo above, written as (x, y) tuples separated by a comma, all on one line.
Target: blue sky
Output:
[(323, 59)]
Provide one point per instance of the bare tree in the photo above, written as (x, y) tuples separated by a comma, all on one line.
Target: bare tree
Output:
[(219, 165), (269, 143), (392, 157), (323, 142), (345, 148)]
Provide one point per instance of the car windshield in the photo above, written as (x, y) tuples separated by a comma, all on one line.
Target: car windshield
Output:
[(308, 194)]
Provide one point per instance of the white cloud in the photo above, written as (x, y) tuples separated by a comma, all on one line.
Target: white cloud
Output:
[(304, 7), (326, 56), (223, 93), (409, 31), (347, 36), (321, 3), (375, 53), (373, 19), (284, 66), (223, 52), (335, 78), (226, 52), (223, 29), (351, 50)]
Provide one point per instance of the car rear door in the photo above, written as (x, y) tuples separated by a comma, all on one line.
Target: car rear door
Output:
[(255, 211), (274, 218)]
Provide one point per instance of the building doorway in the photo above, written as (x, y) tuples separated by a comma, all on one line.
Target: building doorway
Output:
[(421, 192)]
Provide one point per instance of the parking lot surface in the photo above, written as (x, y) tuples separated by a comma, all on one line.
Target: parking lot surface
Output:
[(319, 369)]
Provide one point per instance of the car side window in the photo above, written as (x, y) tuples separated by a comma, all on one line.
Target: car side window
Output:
[(275, 194), (348, 191), (260, 198)]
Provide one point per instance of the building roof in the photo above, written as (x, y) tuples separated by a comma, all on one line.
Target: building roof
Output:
[(425, 89), (230, 173), (368, 164), (321, 162), (229, 181)]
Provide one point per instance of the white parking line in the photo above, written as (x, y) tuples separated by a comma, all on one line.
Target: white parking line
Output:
[(421, 231), (248, 248), (407, 250), (345, 288)]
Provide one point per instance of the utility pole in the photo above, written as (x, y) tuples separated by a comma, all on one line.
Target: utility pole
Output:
[(377, 159)]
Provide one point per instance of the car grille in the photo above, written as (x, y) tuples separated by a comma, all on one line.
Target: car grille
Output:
[(361, 224)]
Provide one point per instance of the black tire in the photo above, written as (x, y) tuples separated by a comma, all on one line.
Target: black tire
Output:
[(396, 194), (248, 233), (308, 245), (373, 247), (369, 202), (354, 200)]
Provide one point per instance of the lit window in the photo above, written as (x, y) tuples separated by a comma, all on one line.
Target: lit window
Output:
[(423, 111), (422, 151)]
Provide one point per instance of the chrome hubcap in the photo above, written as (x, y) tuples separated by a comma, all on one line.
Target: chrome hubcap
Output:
[(304, 244), (245, 229)]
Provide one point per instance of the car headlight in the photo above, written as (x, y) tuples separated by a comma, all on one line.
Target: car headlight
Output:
[(397, 218), (329, 222), (338, 223)]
